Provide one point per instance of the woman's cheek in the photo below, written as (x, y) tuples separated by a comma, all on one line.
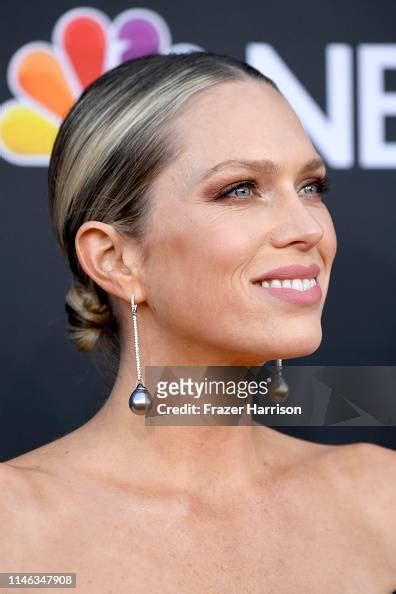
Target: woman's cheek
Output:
[(228, 242)]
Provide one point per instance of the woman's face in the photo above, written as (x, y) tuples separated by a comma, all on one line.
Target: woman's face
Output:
[(204, 253)]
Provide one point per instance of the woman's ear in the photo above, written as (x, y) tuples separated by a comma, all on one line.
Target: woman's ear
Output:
[(111, 260)]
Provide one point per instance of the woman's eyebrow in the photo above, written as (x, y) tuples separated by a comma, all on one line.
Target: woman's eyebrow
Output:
[(261, 166)]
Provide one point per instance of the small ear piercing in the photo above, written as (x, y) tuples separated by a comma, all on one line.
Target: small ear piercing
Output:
[(140, 401), (278, 390)]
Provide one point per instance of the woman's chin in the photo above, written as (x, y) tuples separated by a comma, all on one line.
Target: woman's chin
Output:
[(298, 346), (288, 346)]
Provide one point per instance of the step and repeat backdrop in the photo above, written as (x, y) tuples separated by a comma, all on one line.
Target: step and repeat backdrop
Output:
[(335, 61)]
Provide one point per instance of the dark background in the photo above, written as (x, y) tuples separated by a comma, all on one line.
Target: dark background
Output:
[(48, 388)]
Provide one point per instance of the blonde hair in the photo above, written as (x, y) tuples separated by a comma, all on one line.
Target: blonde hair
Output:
[(111, 146)]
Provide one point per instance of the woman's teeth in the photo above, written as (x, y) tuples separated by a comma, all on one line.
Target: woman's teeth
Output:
[(300, 284)]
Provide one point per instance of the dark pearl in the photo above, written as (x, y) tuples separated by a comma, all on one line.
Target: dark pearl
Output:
[(279, 390), (140, 401)]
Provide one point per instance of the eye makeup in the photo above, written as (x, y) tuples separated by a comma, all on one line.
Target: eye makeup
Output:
[(322, 184)]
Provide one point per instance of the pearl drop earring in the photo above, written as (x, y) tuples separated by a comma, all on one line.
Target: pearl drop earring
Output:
[(279, 390), (140, 401)]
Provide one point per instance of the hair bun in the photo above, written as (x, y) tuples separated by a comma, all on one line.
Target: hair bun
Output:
[(88, 316)]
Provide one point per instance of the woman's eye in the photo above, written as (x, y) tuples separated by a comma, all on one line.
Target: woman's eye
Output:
[(243, 190), (319, 187), (240, 190), (312, 188)]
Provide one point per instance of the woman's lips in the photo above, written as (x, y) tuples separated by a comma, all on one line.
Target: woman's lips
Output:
[(290, 273), (312, 295)]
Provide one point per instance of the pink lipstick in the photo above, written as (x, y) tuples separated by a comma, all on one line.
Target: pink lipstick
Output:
[(295, 283)]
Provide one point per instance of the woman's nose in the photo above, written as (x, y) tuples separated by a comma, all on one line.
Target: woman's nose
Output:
[(296, 224)]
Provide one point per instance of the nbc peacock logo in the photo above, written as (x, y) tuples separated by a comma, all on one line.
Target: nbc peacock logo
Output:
[(46, 79)]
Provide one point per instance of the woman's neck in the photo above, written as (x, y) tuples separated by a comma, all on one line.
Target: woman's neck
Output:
[(120, 447)]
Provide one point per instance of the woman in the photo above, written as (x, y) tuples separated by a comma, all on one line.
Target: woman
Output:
[(182, 182)]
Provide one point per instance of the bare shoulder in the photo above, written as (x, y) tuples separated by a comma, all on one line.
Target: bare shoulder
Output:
[(13, 489), (18, 492), (370, 466), (16, 504), (53, 462), (29, 486), (22, 480), (365, 478)]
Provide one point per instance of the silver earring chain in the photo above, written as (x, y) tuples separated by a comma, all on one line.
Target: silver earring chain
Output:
[(136, 339)]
